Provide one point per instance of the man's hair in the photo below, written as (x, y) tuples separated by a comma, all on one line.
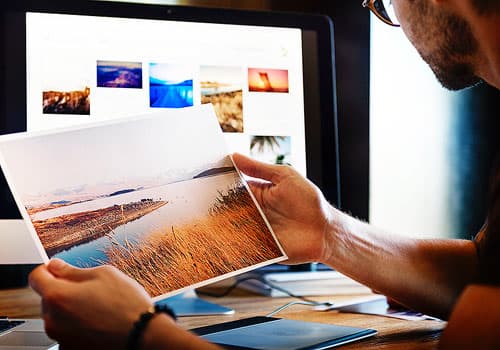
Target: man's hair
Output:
[(487, 6)]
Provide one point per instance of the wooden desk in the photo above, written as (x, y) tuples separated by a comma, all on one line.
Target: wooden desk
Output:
[(392, 333)]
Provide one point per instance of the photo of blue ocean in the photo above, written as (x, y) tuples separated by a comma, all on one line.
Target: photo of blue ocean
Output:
[(168, 89), (116, 74)]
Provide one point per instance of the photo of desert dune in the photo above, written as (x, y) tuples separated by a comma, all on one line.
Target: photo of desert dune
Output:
[(223, 88), (166, 212)]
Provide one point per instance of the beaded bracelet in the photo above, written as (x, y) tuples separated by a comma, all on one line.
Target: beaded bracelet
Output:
[(139, 326)]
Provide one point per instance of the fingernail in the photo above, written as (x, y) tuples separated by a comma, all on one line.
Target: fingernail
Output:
[(56, 264)]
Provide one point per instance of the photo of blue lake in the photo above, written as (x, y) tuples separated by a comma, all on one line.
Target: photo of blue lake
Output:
[(170, 86), (116, 74)]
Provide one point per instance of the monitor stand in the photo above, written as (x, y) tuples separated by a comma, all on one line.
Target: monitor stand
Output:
[(189, 304)]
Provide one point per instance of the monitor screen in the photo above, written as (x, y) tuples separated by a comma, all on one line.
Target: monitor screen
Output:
[(269, 76), (84, 68)]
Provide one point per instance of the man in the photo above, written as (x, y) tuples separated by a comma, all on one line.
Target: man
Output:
[(451, 279)]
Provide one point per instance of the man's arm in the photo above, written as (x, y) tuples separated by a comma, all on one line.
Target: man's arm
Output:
[(426, 275), (474, 321), (161, 334)]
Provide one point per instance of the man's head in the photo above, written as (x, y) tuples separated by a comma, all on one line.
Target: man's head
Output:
[(442, 32)]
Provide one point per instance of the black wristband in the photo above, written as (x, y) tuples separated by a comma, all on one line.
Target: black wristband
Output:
[(139, 326)]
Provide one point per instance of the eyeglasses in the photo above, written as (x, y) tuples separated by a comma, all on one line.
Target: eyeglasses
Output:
[(383, 9)]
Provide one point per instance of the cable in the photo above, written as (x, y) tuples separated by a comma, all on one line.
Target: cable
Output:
[(287, 305), (261, 280), (227, 291), (304, 300)]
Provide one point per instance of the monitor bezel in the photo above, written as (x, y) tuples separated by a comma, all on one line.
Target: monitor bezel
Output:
[(321, 129)]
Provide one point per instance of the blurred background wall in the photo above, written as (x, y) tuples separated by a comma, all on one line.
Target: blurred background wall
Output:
[(431, 150)]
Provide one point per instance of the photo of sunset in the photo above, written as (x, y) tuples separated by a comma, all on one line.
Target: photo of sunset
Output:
[(267, 80)]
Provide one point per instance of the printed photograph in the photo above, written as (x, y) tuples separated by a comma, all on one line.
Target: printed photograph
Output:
[(271, 149), (167, 211), (170, 85), (267, 80), (117, 74), (223, 88)]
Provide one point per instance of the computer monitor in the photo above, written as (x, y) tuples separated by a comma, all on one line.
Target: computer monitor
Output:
[(270, 76)]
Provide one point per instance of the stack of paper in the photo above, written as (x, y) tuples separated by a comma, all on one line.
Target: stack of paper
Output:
[(303, 283)]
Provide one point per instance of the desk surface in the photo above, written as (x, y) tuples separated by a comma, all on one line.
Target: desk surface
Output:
[(392, 333)]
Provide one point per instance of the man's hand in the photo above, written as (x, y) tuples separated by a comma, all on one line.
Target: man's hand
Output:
[(296, 209), (310, 229), (88, 308), (96, 308)]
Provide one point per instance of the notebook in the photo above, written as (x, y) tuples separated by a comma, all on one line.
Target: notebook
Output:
[(22, 334), (271, 333)]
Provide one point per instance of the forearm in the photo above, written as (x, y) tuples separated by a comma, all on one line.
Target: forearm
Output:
[(162, 333), (425, 275)]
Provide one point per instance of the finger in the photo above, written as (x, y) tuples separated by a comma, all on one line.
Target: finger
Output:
[(258, 185), (45, 309), (61, 269), (257, 169), (40, 279)]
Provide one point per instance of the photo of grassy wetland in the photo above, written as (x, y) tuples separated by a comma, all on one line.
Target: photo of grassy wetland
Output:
[(166, 213), (229, 237)]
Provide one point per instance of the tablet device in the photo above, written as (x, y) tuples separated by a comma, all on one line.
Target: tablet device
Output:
[(280, 334)]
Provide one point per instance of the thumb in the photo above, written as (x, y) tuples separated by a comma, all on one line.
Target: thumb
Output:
[(257, 169), (61, 269), (40, 279)]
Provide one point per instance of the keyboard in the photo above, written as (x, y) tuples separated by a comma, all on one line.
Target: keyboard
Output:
[(6, 325)]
